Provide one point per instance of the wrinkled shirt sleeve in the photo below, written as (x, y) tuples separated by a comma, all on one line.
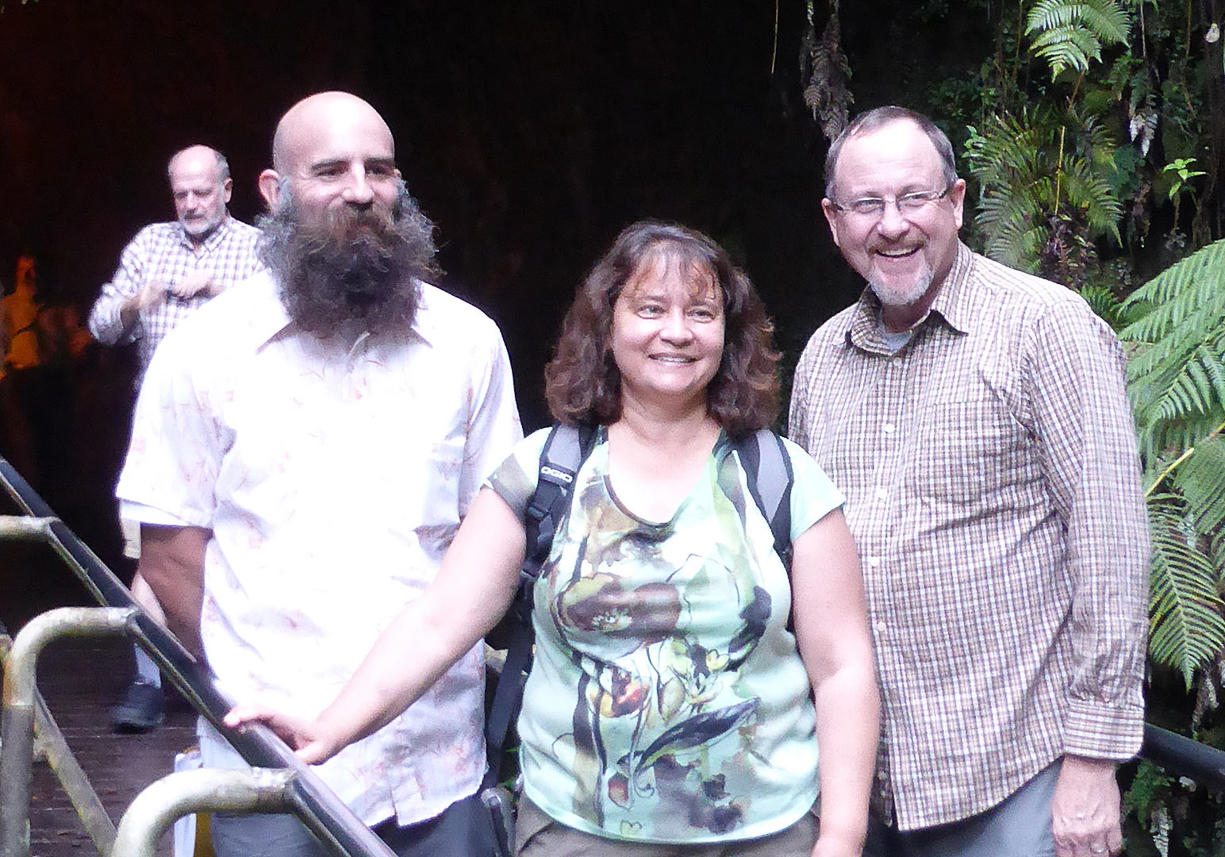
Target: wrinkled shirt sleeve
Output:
[(1080, 412), (175, 453), (493, 428), (105, 322)]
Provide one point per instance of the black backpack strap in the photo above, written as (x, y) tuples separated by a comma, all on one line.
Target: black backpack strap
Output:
[(564, 452), (562, 455), (769, 475)]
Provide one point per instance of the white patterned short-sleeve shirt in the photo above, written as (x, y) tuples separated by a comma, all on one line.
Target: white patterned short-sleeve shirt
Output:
[(333, 475)]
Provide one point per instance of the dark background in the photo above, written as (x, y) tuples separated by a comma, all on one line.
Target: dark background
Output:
[(531, 132)]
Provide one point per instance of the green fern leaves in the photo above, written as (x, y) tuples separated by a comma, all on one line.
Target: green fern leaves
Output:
[(1070, 33), (1043, 181), (1176, 380), (1186, 630), (1177, 377)]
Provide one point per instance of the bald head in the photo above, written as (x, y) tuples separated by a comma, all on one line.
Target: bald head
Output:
[(325, 114), (343, 238), (334, 149), (201, 186), (199, 157)]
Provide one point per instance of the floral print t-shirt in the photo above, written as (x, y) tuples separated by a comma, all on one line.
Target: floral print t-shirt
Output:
[(667, 701)]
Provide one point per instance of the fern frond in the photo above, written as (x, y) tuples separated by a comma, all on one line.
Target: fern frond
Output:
[(1199, 306), (1107, 20), (1182, 434), (1070, 33), (1191, 392), (1104, 304), (1202, 271), (1096, 141), (1177, 380), (1179, 402), (1090, 193), (1186, 626), (1016, 240), (1049, 14), (1201, 479), (1066, 47)]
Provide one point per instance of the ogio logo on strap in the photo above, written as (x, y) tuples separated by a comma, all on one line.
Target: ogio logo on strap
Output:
[(561, 475)]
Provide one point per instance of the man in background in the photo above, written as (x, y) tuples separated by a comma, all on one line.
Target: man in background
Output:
[(167, 272)]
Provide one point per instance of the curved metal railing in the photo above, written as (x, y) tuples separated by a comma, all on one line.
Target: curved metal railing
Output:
[(319, 808)]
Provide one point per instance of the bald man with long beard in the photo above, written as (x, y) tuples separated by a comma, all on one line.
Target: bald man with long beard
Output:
[(303, 451)]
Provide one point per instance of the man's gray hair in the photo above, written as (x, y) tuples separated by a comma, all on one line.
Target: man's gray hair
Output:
[(223, 166), (865, 123)]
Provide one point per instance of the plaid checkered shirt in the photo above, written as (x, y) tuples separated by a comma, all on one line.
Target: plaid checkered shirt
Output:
[(163, 251), (992, 482)]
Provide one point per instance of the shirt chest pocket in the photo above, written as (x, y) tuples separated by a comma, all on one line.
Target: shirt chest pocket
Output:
[(972, 452)]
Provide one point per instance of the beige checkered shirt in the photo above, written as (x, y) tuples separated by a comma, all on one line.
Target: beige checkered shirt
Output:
[(992, 485), (163, 251)]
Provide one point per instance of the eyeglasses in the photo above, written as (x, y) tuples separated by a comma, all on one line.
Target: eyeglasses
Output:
[(907, 203)]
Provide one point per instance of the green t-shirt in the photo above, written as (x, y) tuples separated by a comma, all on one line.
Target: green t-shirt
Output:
[(667, 701)]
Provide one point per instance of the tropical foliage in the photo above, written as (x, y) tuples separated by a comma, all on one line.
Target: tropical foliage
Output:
[(1070, 33), (1176, 379), (1177, 376), (1046, 198)]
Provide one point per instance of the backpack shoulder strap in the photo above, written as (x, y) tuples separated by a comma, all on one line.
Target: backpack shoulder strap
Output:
[(564, 452), (767, 468)]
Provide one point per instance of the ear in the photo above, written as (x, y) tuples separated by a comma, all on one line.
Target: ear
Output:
[(957, 196), (227, 190), (831, 217), (270, 188), (397, 172)]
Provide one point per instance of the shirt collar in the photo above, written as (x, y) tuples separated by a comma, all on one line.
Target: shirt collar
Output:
[(425, 323), (954, 300), (952, 305), (269, 317), (211, 241)]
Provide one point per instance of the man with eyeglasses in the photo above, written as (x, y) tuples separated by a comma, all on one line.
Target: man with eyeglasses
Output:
[(976, 419)]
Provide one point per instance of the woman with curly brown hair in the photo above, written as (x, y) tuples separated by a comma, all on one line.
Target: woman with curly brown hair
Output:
[(670, 708)]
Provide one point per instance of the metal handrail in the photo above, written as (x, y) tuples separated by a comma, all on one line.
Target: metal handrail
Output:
[(72, 778), (1184, 756), (254, 790), (319, 808), (20, 705)]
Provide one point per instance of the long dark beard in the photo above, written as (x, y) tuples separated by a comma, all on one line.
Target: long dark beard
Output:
[(355, 265)]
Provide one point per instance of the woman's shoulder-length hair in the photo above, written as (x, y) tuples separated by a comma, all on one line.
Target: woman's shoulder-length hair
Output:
[(582, 382)]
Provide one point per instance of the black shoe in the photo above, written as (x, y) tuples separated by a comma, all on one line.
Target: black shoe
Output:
[(140, 710)]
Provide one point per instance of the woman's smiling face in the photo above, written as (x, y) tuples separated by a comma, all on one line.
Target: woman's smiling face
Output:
[(667, 330)]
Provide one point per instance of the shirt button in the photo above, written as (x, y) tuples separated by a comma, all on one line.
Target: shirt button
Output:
[(874, 561), (880, 626), (881, 493), (888, 428)]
